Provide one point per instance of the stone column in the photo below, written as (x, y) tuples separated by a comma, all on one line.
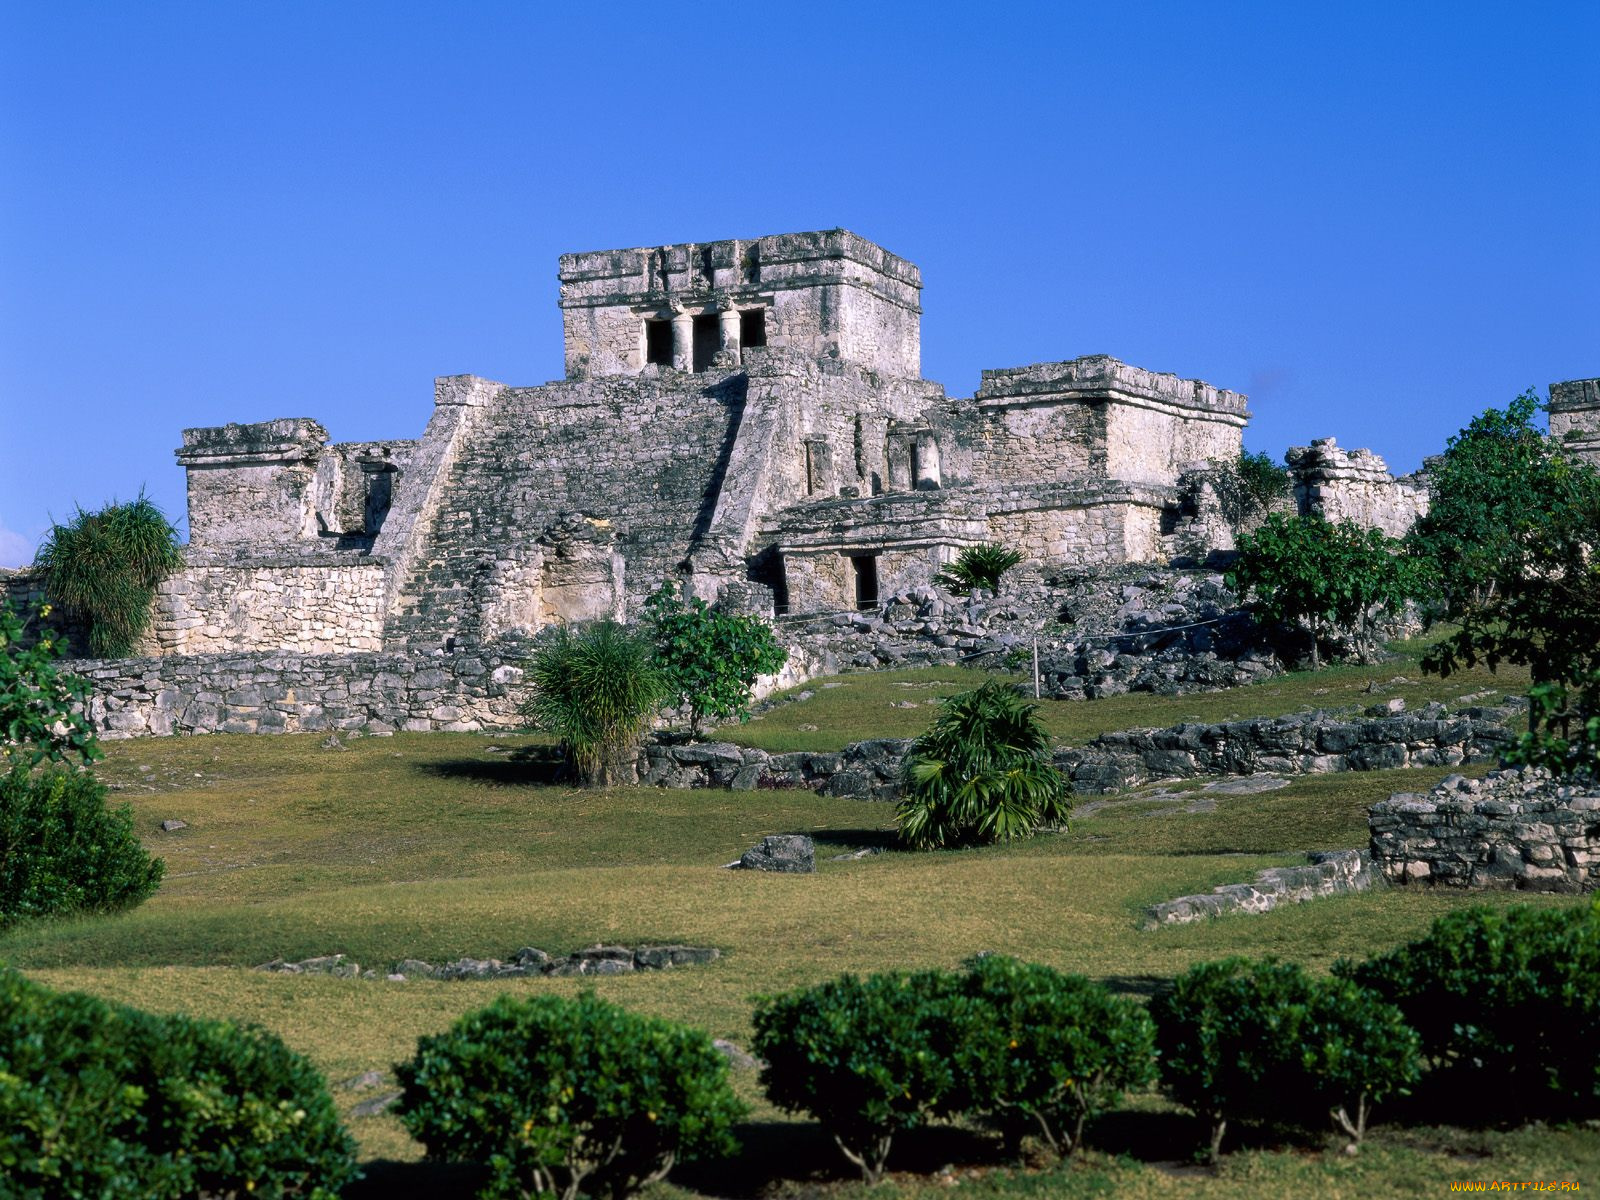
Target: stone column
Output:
[(682, 340), (730, 329), (928, 475)]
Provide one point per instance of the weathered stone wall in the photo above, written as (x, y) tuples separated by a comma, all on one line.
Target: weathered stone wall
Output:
[(300, 693), (288, 604), (1575, 417), (1354, 485), (1515, 829)]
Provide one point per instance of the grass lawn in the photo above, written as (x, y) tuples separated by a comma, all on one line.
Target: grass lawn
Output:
[(436, 846)]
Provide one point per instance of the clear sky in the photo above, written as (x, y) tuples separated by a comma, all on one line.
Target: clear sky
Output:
[(1376, 219)]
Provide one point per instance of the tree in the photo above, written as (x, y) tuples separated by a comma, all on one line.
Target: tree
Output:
[(981, 773), (1496, 477), (710, 659), (978, 566), (103, 568), (596, 687), (41, 708), (1248, 486), (1331, 576), (1543, 612)]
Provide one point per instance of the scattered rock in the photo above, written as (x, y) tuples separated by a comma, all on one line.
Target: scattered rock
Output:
[(172, 825), (856, 855), (790, 853), (738, 1059), (376, 1105), (1248, 786), (363, 1081), (332, 742)]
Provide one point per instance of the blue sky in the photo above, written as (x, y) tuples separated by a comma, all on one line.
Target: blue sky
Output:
[(1377, 219)]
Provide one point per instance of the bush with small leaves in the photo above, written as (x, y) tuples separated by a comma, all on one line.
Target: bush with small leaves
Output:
[(710, 659), (1042, 1052), (1507, 1002), (868, 1058), (1263, 1041), (62, 850), (41, 708), (568, 1097), (101, 1101), (980, 566)]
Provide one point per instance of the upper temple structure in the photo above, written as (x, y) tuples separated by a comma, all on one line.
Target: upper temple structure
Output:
[(748, 418)]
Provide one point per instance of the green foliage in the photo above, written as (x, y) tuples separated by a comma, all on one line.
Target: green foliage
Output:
[(41, 708), (567, 1097), (103, 568), (868, 1058), (1244, 1040), (979, 566), (63, 851), (596, 687), (710, 659), (1042, 1052), (1249, 485), (981, 773), (1332, 576), (99, 1101), (1530, 593), (1497, 478), (1507, 1002)]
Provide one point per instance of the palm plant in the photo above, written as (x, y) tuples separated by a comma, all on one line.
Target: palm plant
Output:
[(981, 774), (102, 568), (979, 566), (596, 687)]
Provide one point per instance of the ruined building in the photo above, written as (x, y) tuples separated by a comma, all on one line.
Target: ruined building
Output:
[(747, 417)]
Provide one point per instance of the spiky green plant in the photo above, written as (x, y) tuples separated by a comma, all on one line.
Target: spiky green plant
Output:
[(596, 687), (981, 774), (979, 566), (103, 567)]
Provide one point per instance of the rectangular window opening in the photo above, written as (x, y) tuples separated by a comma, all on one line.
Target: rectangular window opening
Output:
[(753, 327), (707, 339), (658, 343), (866, 575)]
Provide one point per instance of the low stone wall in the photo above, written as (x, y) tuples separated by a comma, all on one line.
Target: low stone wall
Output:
[(300, 693), (1514, 829), (1306, 744), (1327, 873)]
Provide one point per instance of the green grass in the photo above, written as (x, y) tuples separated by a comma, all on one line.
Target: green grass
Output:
[(438, 846), (900, 703)]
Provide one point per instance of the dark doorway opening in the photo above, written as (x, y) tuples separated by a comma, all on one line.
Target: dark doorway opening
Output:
[(866, 572), (658, 343), (753, 327), (768, 569), (707, 339)]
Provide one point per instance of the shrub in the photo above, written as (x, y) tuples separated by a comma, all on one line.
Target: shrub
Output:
[(979, 566), (102, 1101), (1331, 576), (103, 567), (865, 1057), (1507, 1003), (1043, 1052), (1243, 1040), (1249, 486), (596, 687), (710, 659), (981, 773), (41, 709), (63, 850), (568, 1097)]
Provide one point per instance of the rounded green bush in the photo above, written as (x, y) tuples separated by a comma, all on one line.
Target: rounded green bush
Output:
[(104, 1102), (1507, 1002), (62, 850), (1263, 1041), (1043, 1052), (868, 1058), (568, 1096)]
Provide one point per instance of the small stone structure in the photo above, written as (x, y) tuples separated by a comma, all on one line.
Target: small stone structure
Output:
[(1575, 417), (1326, 873), (1355, 485), (1514, 829)]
